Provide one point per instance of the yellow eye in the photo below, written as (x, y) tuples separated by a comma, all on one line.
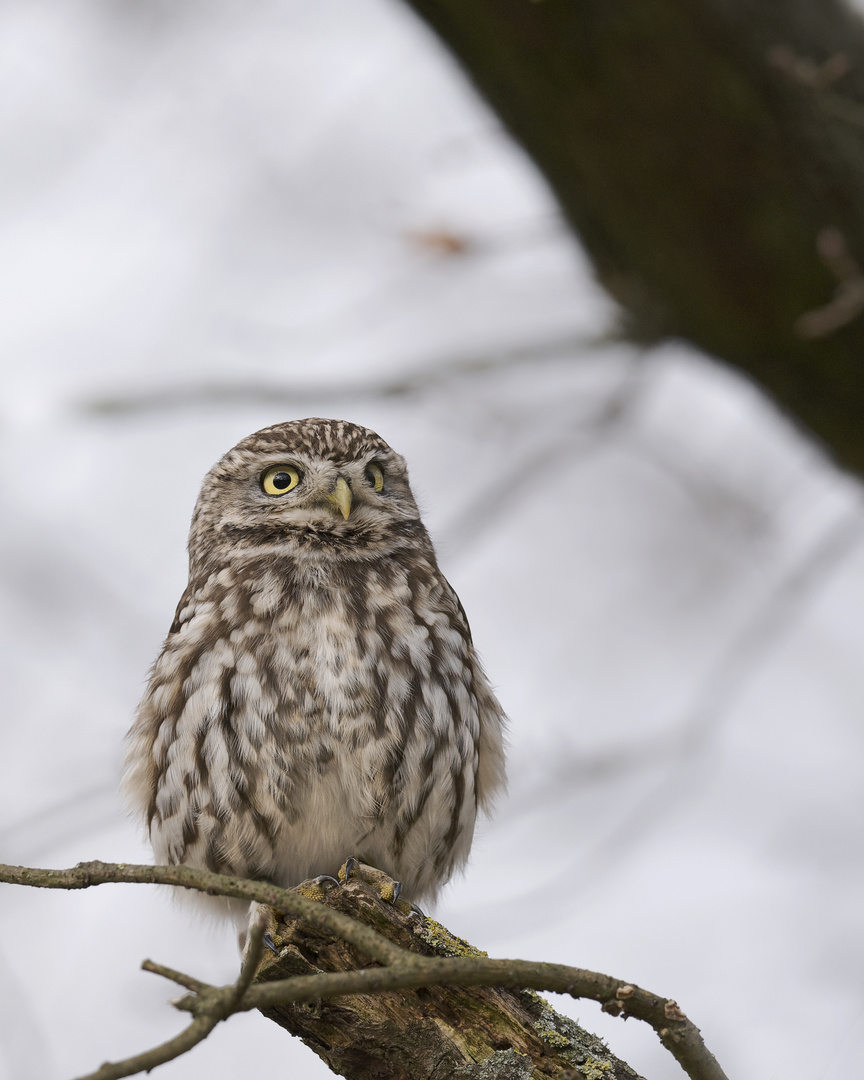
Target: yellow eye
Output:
[(375, 476), (280, 478)]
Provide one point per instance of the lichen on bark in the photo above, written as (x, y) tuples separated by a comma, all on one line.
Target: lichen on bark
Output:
[(473, 1033)]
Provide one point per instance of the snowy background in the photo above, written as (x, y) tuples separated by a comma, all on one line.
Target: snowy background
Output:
[(218, 215)]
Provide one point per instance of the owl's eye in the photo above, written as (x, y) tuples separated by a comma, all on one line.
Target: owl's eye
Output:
[(375, 476), (279, 478)]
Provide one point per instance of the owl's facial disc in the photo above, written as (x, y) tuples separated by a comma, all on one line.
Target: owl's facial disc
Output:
[(313, 486)]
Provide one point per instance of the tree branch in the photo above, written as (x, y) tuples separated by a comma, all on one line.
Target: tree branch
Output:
[(427, 962), (85, 875)]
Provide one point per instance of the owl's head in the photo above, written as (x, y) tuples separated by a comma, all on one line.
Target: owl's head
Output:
[(312, 485)]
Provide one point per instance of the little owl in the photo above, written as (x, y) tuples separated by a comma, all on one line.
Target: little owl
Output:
[(318, 695)]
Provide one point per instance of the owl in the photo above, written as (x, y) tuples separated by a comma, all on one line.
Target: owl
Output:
[(318, 695)]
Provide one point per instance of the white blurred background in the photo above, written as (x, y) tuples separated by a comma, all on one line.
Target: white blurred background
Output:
[(218, 215)]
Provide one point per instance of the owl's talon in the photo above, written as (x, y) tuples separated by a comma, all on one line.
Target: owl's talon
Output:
[(397, 889), (267, 940), (349, 866), (317, 888)]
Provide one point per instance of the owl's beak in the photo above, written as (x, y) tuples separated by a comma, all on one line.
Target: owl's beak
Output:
[(341, 497)]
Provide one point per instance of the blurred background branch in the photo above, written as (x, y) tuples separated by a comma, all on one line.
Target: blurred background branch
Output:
[(699, 169)]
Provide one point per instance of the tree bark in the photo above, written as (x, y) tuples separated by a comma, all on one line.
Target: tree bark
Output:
[(441, 1032), (704, 151)]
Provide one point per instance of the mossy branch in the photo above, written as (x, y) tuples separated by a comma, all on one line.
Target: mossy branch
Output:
[(323, 929)]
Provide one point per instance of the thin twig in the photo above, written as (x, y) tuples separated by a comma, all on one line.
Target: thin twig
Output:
[(209, 1006), (84, 875), (249, 967), (197, 1032), (186, 981), (679, 1035)]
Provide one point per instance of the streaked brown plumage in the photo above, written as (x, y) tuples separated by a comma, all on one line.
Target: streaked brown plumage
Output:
[(318, 695)]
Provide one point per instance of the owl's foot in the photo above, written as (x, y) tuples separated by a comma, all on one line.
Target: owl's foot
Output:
[(388, 889), (267, 918)]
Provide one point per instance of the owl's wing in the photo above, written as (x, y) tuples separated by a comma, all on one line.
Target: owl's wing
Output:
[(183, 613), (490, 779), (461, 611)]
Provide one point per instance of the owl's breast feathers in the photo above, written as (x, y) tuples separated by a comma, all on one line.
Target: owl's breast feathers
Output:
[(290, 685)]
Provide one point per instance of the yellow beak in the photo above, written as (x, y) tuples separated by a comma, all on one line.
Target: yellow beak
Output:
[(341, 497)]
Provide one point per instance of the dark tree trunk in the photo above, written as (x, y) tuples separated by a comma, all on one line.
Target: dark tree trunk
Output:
[(700, 161)]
